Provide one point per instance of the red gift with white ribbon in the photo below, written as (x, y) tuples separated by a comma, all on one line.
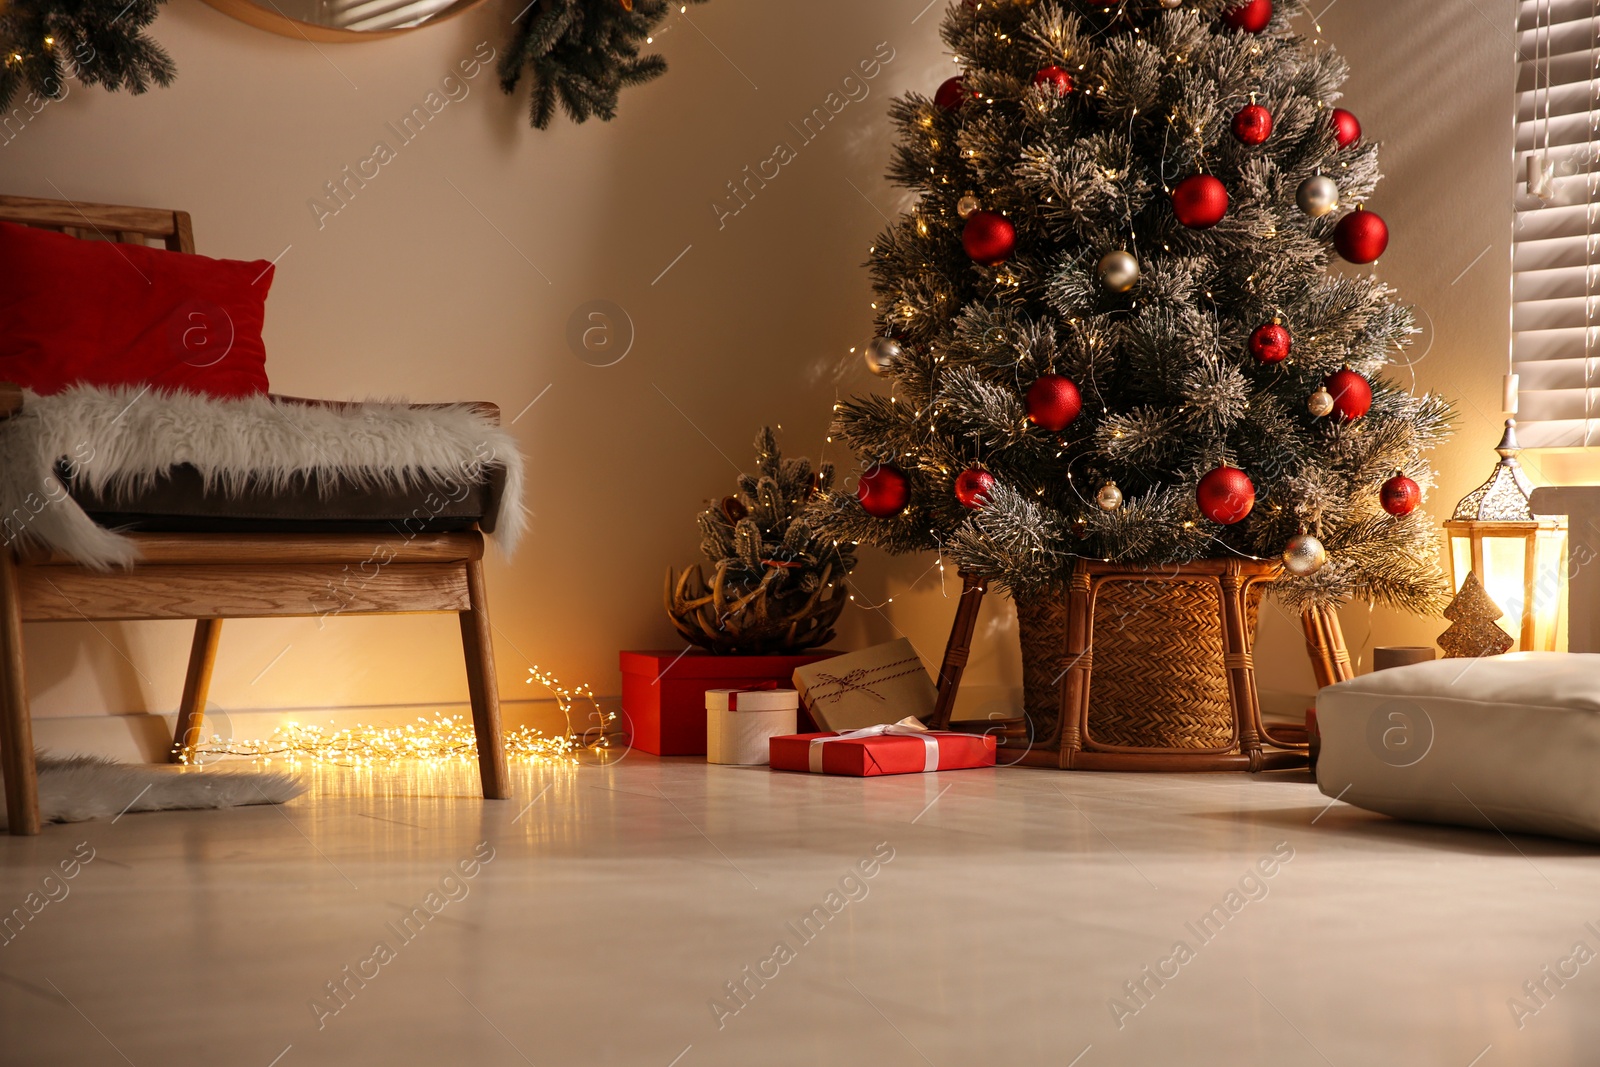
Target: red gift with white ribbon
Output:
[(905, 747)]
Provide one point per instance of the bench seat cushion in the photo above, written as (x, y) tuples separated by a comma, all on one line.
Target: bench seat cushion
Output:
[(178, 501), (1509, 743)]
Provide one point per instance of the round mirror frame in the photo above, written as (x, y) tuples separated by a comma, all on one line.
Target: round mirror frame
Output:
[(274, 21)]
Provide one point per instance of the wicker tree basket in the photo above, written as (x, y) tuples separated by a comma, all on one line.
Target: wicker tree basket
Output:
[(1134, 669)]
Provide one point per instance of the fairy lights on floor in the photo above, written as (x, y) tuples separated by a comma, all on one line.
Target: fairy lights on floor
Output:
[(439, 741)]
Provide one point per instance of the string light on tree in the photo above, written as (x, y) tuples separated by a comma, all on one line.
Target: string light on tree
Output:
[(1118, 271), (1318, 195)]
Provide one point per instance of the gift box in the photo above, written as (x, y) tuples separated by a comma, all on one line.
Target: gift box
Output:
[(740, 722), (880, 684), (663, 693), (904, 748)]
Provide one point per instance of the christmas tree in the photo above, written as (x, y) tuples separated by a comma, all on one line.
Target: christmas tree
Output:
[(1108, 327)]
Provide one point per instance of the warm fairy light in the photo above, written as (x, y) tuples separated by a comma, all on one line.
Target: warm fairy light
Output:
[(444, 739), (441, 740)]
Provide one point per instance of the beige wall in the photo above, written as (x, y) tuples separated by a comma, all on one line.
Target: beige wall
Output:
[(453, 274)]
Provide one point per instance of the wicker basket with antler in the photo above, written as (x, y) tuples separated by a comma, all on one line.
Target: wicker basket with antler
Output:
[(774, 585)]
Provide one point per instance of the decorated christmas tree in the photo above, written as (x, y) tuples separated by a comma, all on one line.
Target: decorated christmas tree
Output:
[(1111, 326)]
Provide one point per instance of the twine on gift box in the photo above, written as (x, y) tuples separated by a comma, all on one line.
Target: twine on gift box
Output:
[(856, 681)]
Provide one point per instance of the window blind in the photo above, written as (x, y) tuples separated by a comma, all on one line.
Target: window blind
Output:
[(1555, 259)]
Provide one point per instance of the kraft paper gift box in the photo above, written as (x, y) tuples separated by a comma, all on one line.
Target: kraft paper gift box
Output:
[(884, 683), (903, 748), (740, 722)]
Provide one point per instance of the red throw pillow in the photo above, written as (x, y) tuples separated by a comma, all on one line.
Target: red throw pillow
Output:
[(93, 312)]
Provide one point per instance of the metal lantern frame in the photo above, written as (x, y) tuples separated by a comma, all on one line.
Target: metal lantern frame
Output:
[(1480, 536)]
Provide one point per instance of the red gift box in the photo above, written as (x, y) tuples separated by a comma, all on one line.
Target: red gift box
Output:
[(867, 757), (664, 693)]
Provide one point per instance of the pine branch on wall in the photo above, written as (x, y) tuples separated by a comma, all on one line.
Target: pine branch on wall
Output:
[(99, 42), (580, 55)]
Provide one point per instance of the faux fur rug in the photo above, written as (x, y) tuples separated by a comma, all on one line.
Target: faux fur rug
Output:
[(78, 788), (121, 439)]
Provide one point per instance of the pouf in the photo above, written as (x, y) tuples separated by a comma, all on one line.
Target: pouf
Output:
[(1509, 743)]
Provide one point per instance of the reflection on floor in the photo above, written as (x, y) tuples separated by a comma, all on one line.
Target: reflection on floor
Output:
[(662, 912)]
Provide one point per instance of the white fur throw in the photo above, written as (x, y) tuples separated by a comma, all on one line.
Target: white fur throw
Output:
[(119, 440), (76, 788)]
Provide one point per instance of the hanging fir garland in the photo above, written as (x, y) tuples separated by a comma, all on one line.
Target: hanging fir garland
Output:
[(98, 42), (582, 53)]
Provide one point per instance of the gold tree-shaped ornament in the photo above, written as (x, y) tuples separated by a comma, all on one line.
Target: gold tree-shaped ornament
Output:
[(1473, 632)]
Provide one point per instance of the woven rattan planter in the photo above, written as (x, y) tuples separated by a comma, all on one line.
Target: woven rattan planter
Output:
[(1141, 669)]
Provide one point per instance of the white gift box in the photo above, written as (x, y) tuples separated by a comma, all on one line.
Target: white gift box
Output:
[(740, 722)]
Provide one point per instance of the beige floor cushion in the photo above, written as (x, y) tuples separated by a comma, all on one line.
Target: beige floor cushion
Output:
[(1507, 742)]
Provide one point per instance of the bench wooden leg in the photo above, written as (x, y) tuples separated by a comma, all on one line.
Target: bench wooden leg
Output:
[(477, 639), (196, 684), (16, 728)]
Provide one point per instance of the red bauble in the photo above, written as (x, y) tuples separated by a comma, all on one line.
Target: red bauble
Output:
[(1200, 201), (988, 238), (1054, 75), (951, 94), (1352, 394), (1053, 402), (1270, 343), (1400, 495), (883, 491), (1251, 16), (973, 486), (1346, 127), (1361, 236), (1253, 124), (1226, 495)]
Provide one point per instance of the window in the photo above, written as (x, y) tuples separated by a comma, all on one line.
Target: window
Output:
[(1555, 299)]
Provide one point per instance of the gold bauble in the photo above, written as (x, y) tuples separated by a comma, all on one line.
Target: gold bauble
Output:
[(966, 205), (1119, 271), (1109, 498), (1320, 402), (1304, 555), (881, 352)]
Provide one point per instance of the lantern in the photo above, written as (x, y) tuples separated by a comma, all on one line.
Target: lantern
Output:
[(1520, 557)]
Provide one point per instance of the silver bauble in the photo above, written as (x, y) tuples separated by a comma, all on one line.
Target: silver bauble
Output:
[(881, 352), (1304, 555), (966, 205), (1320, 403), (1109, 497), (1318, 195), (1119, 271)]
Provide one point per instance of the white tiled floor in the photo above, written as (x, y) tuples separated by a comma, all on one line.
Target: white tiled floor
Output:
[(1014, 909)]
